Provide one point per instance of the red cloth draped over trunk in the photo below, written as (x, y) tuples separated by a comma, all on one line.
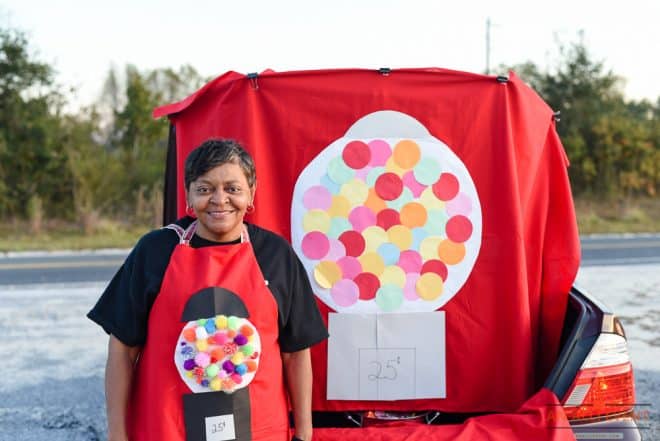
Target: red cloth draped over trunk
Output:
[(503, 326)]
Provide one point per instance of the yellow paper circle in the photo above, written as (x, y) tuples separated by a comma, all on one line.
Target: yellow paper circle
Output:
[(327, 273), (355, 191), (401, 236), (393, 167), (374, 236), (428, 199), (393, 275), (428, 248), (429, 286), (450, 252), (340, 206), (372, 263), (406, 154), (316, 220)]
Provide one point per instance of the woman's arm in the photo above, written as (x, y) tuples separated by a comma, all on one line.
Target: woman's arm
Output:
[(118, 376), (298, 376)]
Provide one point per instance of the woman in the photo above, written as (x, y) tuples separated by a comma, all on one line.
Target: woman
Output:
[(177, 296)]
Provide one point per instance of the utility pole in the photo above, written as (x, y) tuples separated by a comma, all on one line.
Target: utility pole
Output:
[(488, 46)]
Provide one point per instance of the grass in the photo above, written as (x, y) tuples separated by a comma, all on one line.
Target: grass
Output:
[(594, 216), (618, 216), (65, 236)]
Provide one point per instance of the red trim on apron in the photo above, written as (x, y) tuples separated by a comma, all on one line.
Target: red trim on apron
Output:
[(155, 408)]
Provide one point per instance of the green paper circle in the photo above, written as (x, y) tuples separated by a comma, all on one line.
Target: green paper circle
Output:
[(389, 297), (339, 172), (427, 171)]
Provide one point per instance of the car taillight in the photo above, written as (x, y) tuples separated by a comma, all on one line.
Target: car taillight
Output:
[(604, 384)]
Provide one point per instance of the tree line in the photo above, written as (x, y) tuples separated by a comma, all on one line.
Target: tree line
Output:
[(107, 160)]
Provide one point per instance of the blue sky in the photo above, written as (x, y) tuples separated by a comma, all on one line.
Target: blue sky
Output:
[(84, 38)]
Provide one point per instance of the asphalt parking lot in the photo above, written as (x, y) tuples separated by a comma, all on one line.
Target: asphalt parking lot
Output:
[(53, 357)]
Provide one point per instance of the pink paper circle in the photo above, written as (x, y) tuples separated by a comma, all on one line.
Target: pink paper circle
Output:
[(350, 267), (315, 245), (345, 293), (415, 187), (409, 290), (363, 172), (317, 197), (361, 217), (380, 152), (337, 250), (410, 261), (461, 204)]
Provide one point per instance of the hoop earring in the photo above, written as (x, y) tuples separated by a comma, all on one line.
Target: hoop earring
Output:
[(189, 211), (250, 209)]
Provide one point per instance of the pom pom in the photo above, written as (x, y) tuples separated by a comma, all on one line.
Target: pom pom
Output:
[(233, 323), (228, 385), (230, 348), (205, 383), (189, 364), (218, 354), (251, 365), (198, 372), (255, 355), (241, 369), (189, 334), (231, 333), (228, 367), (222, 374), (220, 338), (202, 345), (247, 350), (210, 326), (221, 322), (237, 358), (246, 330), (189, 374), (216, 384), (200, 333), (240, 339), (202, 359), (201, 322), (236, 378), (186, 350), (212, 370)]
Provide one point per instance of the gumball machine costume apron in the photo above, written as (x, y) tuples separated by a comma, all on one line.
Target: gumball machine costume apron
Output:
[(162, 406)]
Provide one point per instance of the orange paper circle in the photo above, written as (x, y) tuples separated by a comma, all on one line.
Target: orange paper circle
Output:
[(450, 252), (413, 214), (406, 154)]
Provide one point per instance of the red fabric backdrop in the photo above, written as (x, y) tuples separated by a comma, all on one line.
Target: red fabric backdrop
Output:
[(503, 326)]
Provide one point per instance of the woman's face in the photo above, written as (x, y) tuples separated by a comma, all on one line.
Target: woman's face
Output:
[(220, 198)]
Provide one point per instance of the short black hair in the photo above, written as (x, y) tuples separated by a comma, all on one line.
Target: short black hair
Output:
[(214, 152)]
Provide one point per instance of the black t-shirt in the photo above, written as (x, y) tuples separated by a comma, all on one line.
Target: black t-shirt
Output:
[(123, 309)]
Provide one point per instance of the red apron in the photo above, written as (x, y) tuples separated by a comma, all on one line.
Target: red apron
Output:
[(156, 407)]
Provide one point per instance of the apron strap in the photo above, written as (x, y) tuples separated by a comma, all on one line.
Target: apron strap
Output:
[(186, 235)]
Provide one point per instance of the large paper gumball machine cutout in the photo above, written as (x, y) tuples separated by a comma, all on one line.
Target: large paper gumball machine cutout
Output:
[(386, 218)]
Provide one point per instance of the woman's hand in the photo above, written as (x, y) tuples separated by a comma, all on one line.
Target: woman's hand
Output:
[(298, 376), (118, 376)]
